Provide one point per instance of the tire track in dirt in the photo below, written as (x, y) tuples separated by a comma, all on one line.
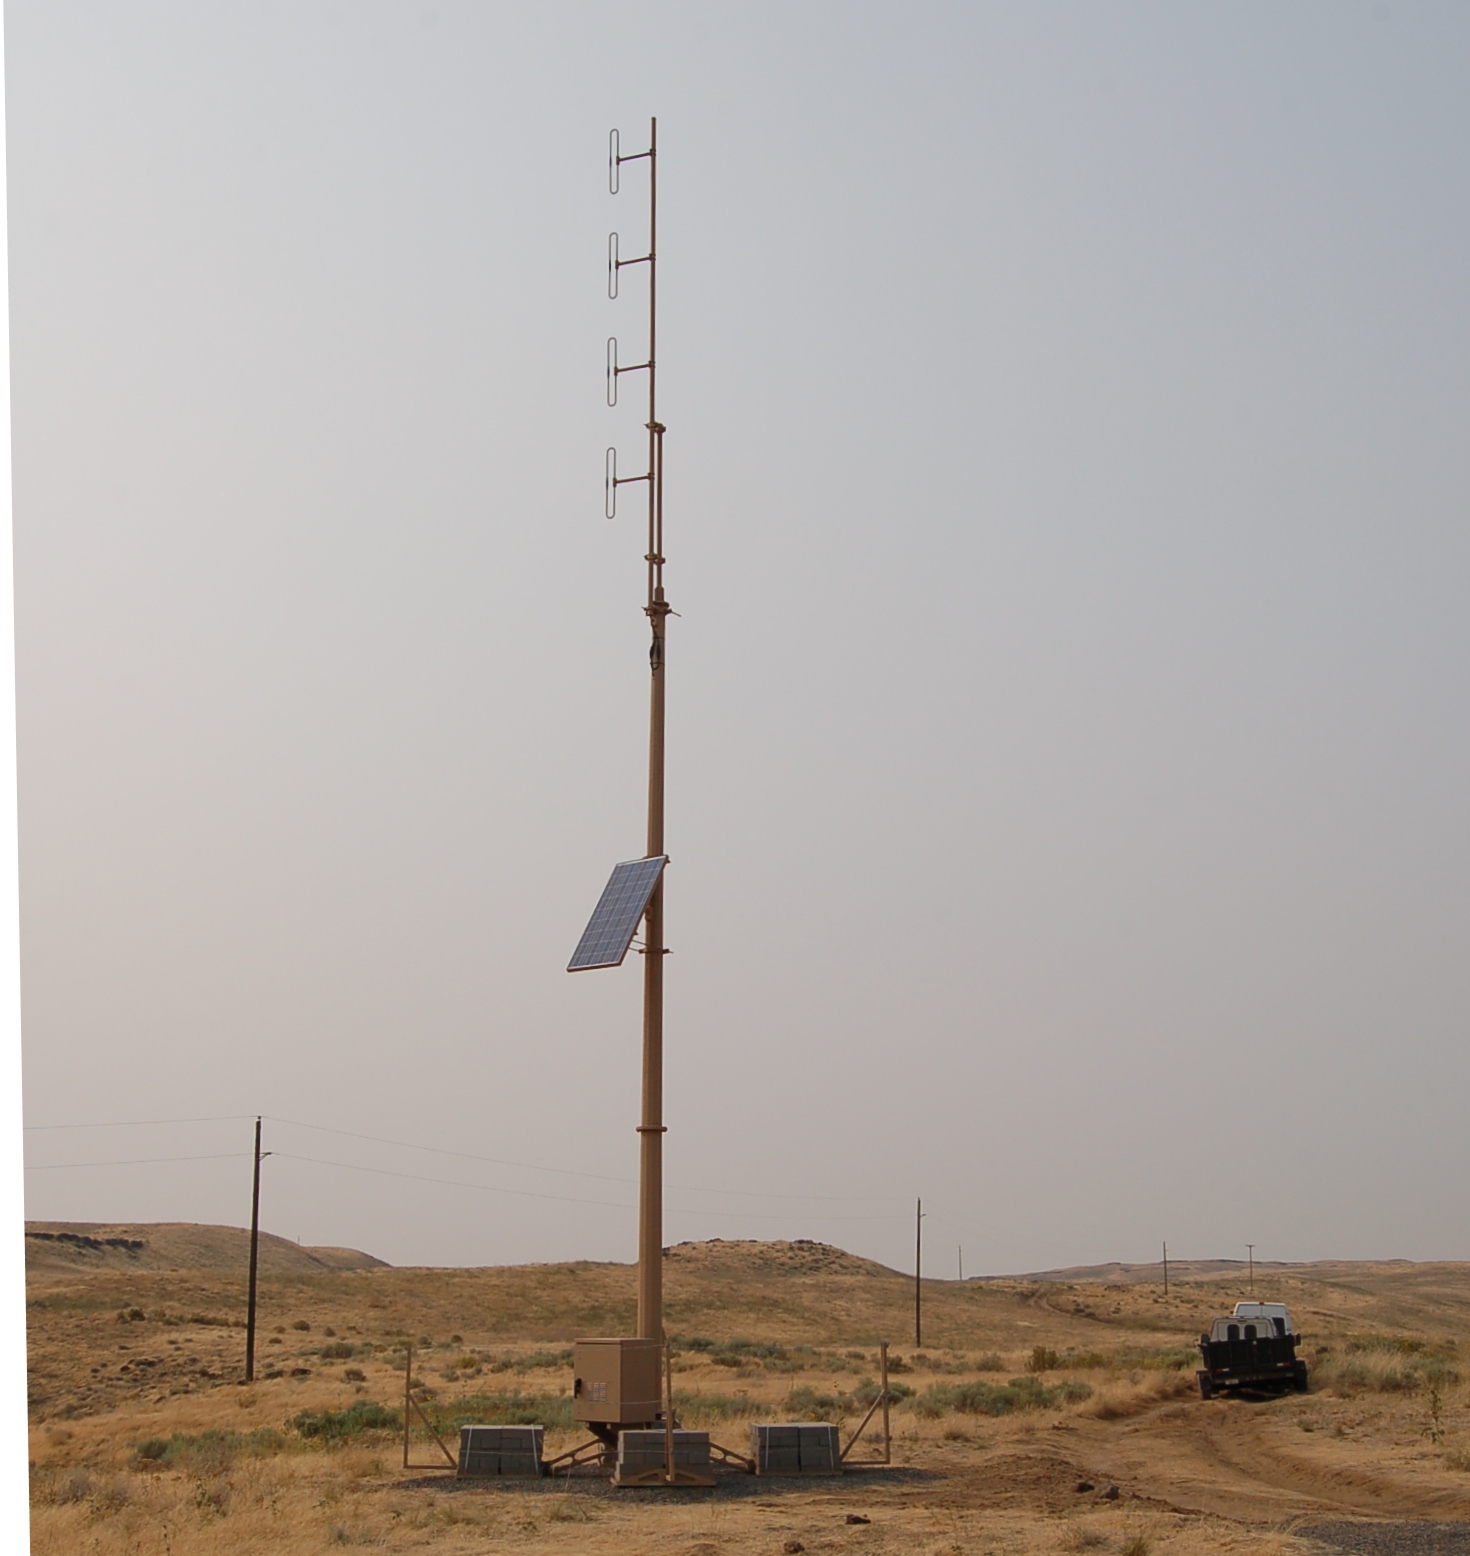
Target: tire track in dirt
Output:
[(1220, 1458)]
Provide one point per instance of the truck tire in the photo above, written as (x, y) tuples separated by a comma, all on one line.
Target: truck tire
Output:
[(1299, 1377), (1206, 1386)]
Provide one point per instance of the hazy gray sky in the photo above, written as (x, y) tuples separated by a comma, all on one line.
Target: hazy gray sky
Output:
[(1067, 477)]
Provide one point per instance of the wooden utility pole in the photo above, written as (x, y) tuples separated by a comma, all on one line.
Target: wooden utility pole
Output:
[(1250, 1249), (962, 1263), (918, 1278), (1166, 1269), (887, 1435), (407, 1399), (254, 1262)]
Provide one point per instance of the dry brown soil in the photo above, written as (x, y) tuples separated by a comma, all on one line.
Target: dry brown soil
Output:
[(136, 1334)]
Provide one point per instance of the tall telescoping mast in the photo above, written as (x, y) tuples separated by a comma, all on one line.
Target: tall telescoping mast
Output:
[(635, 889)]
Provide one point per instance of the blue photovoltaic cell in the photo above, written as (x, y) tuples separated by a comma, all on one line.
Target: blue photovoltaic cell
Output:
[(609, 931)]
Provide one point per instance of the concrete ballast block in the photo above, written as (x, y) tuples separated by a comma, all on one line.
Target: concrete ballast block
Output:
[(500, 1450)]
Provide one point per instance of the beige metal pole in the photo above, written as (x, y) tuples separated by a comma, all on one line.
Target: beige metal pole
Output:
[(651, 1130)]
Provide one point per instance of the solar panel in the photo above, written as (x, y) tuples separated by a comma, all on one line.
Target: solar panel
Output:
[(609, 931)]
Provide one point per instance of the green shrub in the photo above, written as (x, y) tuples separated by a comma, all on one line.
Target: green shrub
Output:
[(765, 1354), (358, 1418), (514, 1409), (548, 1359), (207, 1452), (992, 1399), (537, 1361), (1174, 1359), (355, 1375), (338, 1350), (1043, 1359), (804, 1403), (1381, 1371), (1407, 1345), (866, 1390)]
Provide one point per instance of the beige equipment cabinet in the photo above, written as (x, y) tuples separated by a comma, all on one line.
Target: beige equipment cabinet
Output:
[(617, 1382)]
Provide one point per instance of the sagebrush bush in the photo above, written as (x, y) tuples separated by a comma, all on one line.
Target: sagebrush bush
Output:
[(209, 1452), (513, 1409), (76, 1486), (537, 1361), (979, 1398), (1373, 1369), (1114, 1404), (361, 1417), (866, 1390), (805, 1403), (766, 1355)]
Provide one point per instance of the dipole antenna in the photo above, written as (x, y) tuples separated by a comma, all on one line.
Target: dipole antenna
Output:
[(651, 1128)]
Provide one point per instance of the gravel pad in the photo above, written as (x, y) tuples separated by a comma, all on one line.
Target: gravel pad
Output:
[(1416, 1539)]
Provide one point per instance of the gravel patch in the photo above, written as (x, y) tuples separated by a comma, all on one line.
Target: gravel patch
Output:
[(590, 1482), (1417, 1539)]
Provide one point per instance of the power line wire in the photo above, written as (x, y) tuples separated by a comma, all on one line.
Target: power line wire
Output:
[(436, 1150), (145, 1123), (569, 1199), (135, 1161), (567, 1172)]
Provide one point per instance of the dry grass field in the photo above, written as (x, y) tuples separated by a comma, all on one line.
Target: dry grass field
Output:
[(1042, 1415)]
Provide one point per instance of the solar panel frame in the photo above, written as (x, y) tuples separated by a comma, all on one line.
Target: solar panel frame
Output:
[(614, 920)]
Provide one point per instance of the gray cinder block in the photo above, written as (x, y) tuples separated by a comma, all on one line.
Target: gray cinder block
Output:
[(500, 1450), (644, 1450), (795, 1448)]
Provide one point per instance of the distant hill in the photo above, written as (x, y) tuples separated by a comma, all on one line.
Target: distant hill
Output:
[(1199, 1269), (802, 1257), (85, 1246)]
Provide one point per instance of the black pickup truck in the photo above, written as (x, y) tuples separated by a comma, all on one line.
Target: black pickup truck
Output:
[(1254, 1348)]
